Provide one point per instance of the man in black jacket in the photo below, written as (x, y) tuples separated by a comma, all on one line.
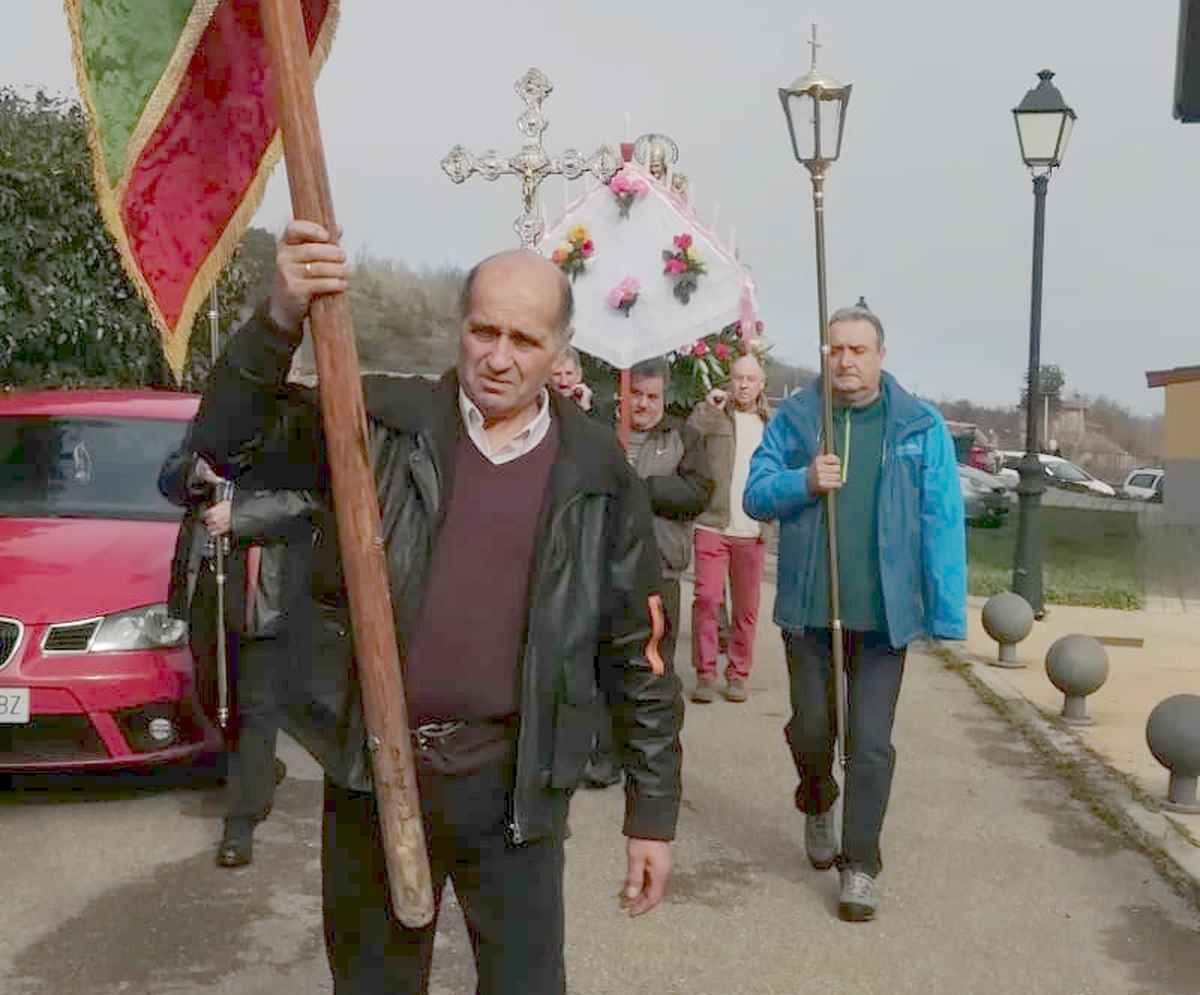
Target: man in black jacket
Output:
[(669, 457), (522, 562)]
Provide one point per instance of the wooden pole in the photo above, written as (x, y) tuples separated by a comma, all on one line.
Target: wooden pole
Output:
[(625, 408), (354, 498)]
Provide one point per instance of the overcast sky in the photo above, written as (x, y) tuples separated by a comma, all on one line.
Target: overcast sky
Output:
[(929, 211)]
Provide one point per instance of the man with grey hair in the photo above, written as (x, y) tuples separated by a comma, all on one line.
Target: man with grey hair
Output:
[(668, 456), (524, 576), (902, 560), (729, 545), (566, 377)]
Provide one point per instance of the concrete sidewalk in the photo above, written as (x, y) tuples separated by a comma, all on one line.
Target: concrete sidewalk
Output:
[(1167, 663)]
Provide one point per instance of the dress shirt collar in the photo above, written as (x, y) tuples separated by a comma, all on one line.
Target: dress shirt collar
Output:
[(521, 444)]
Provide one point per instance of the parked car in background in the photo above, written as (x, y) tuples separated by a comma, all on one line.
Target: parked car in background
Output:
[(1145, 484), (987, 500), (972, 447), (93, 672), (1059, 472)]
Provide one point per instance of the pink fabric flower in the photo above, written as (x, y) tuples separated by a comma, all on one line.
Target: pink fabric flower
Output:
[(638, 187), (619, 183), (685, 350), (700, 349), (588, 248), (683, 242), (625, 294), (676, 266), (721, 351)]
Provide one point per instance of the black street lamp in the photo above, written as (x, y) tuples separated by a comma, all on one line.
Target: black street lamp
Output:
[(1044, 123)]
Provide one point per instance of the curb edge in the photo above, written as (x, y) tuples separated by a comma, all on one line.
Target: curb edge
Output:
[(1110, 794)]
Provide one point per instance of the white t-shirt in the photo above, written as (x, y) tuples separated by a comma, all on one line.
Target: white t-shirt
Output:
[(747, 434)]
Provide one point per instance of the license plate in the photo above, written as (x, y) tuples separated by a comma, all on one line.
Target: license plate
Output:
[(14, 706)]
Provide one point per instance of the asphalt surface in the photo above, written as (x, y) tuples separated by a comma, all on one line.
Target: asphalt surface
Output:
[(996, 879)]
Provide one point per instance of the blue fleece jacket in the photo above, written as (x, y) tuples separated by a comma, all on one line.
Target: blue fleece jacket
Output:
[(922, 541)]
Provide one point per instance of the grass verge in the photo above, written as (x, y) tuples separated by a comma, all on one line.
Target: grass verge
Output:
[(1090, 558)]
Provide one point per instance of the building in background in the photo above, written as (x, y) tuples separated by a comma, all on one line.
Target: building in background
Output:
[(1181, 442)]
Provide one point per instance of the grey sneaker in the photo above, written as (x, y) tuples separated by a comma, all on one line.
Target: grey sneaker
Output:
[(705, 692), (735, 689), (859, 896), (819, 841)]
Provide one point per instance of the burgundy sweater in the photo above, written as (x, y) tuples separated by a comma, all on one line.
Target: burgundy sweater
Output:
[(463, 659)]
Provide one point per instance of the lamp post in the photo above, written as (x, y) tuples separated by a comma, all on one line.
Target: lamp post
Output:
[(815, 108), (1044, 123)]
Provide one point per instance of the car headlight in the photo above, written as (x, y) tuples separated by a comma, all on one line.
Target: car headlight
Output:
[(139, 629)]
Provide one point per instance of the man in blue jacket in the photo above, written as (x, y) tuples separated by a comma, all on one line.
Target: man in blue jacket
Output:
[(902, 559)]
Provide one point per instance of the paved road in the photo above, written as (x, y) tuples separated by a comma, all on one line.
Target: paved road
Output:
[(996, 881)]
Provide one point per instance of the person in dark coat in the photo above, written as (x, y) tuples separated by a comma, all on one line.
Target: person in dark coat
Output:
[(266, 520), (668, 456), (524, 582)]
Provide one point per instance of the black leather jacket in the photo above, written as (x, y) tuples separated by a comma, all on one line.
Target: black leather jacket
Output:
[(277, 504), (595, 566)]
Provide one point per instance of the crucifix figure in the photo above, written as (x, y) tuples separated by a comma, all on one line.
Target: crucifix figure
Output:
[(531, 163), (814, 45)]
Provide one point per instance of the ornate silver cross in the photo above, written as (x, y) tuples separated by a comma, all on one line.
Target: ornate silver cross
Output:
[(531, 163)]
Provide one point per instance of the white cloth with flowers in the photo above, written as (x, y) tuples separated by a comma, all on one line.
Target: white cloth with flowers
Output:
[(627, 253)]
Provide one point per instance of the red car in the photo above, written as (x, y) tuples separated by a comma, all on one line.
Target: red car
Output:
[(93, 672)]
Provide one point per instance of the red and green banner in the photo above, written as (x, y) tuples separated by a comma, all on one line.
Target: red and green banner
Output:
[(180, 106)]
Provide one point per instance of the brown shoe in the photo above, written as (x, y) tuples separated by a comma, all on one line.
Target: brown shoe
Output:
[(735, 689), (705, 692)]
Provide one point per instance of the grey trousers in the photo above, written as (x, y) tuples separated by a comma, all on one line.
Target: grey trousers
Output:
[(873, 672)]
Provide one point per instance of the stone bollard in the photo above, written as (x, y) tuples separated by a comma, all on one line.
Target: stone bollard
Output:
[(1077, 665), (1173, 735), (1008, 619)]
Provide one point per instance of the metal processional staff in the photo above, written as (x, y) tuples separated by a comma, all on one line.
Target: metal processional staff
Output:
[(815, 106)]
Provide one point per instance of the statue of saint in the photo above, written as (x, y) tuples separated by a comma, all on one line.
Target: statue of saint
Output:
[(679, 185), (656, 152)]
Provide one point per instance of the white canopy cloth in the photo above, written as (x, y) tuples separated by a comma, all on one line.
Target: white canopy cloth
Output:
[(658, 323)]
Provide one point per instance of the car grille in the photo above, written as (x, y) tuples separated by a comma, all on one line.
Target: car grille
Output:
[(10, 638), (51, 737), (73, 637)]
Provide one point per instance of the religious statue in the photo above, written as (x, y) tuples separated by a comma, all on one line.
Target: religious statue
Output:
[(679, 186), (656, 152)]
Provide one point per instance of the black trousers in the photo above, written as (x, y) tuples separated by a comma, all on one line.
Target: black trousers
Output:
[(250, 775), (511, 896), (873, 674)]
